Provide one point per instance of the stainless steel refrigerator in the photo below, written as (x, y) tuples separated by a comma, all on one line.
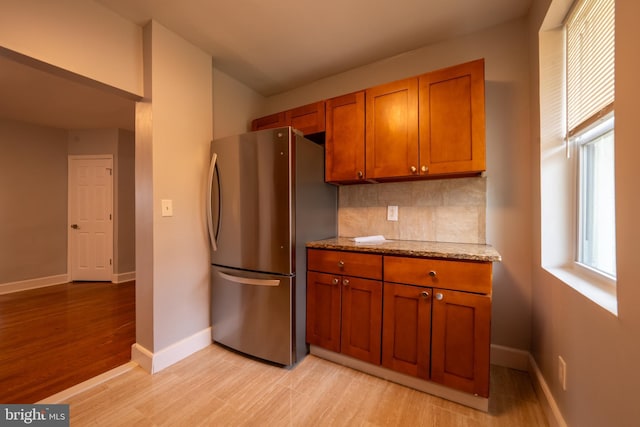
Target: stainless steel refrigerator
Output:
[(267, 198)]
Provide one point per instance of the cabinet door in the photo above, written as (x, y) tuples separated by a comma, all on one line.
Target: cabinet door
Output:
[(452, 119), (392, 130), (460, 341), (308, 118), (323, 310), (268, 122), (361, 318), (344, 140), (406, 330)]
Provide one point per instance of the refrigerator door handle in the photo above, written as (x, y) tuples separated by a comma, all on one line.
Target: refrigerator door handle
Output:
[(249, 281), (212, 168)]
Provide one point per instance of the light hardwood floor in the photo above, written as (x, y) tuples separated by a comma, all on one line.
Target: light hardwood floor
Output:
[(217, 387)]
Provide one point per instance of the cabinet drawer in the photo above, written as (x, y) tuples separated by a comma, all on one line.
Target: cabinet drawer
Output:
[(457, 275), (345, 263)]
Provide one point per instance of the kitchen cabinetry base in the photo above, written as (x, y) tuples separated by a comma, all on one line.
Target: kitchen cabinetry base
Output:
[(475, 402)]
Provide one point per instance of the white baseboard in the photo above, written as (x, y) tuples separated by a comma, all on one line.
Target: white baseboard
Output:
[(155, 362), (549, 405), (41, 282), (510, 357), (523, 361), (123, 277)]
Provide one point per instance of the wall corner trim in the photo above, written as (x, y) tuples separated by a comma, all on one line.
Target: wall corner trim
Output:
[(156, 362)]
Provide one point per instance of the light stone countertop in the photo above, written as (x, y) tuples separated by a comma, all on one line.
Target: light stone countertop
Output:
[(459, 251)]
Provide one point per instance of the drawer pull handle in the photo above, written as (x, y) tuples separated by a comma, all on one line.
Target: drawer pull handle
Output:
[(335, 280), (424, 294), (341, 264), (432, 273), (439, 296), (345, 282)]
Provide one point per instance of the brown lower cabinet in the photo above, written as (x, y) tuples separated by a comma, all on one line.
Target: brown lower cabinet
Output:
[(420, 328), (460, 340), (344, 314), (344, 303), (406, 329)]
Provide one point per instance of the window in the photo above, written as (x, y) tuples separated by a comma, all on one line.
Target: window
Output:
[(590, 129)]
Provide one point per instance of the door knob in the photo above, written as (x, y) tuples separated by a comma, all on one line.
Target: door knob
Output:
[(345, 282), (439, 296), (413, 169), (424, 294), (335, 281), (424, 168), (432, 273), (75, 226), (341, 264)]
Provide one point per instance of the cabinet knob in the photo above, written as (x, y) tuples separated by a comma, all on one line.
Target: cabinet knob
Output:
[(424, 294), (424, 169), (360, 175), (335, 280), (432, 273), (345, 282), (439, 296), (413, 169), (341, 264)]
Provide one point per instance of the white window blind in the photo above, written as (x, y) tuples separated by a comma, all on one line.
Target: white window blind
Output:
[(590, 63)]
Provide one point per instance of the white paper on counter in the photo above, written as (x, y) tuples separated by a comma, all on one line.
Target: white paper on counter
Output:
[(369, 239)]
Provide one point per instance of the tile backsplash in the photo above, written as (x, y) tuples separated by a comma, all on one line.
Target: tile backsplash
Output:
[(445, 210)]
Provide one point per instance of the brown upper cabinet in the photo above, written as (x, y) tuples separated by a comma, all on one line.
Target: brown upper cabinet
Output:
[(268, 122), (344, 139), (432, 125), (452, 120), (392, 130), (307, 119)]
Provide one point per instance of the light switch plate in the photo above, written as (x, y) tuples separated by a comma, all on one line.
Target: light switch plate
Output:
[(392, 213), (167, 207)]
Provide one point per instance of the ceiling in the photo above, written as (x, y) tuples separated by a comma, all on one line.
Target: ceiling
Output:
[(270, 45)]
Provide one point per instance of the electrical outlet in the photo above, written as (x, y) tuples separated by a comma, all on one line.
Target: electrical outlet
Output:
[(562, 373), (392, 213)]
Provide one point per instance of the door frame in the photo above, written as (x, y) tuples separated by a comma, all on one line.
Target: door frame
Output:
[(70, 158)]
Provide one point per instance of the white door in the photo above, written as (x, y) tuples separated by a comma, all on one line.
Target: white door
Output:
[(90, 217)]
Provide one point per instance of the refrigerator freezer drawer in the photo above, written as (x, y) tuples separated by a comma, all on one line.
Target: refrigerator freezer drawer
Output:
[(252, 313)]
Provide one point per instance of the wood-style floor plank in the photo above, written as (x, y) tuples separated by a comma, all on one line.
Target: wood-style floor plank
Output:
[(217, 387), (55, 337)]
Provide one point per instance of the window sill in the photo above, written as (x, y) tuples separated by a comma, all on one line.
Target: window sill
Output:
[(598, 289)]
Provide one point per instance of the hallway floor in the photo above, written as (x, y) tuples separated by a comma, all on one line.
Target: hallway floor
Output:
[(54, 337)]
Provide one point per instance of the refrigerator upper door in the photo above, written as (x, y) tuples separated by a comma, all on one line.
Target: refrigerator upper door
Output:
[(250, 202)]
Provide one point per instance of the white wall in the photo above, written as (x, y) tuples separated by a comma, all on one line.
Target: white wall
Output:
[(505, 49), (171, 163), (234, 105), (33, 202), (76, 35), (601, 350)]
